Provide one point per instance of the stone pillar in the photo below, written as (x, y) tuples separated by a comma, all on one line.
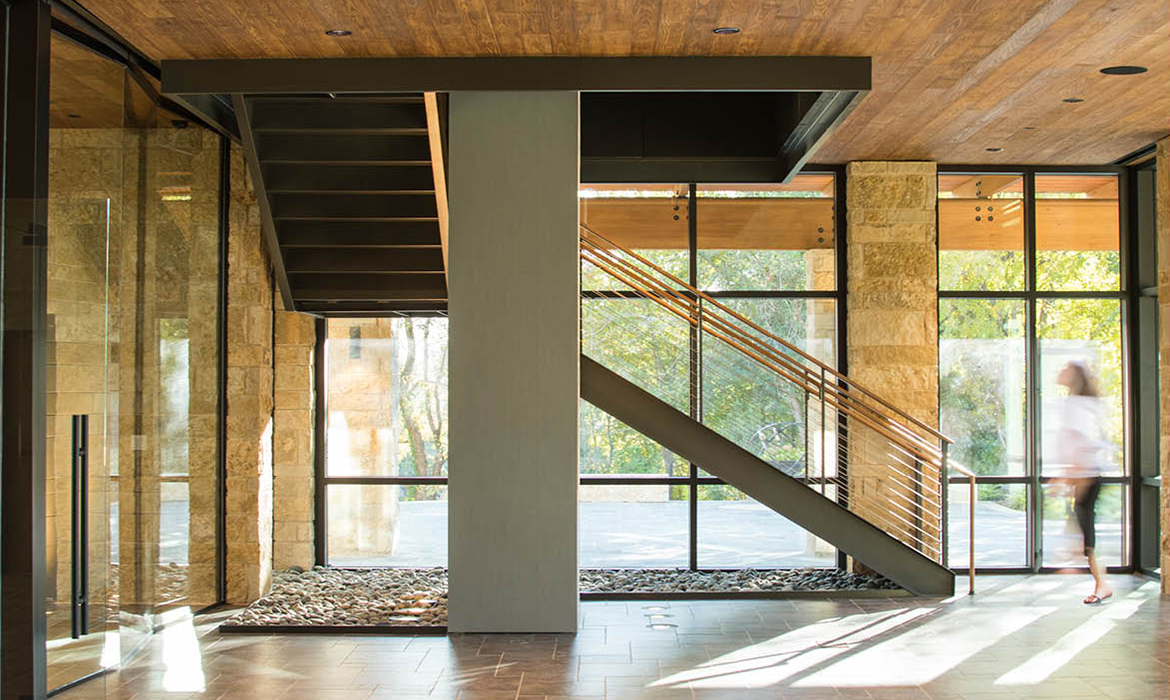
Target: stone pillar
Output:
[(1162, 188), (293, 423), (514, 361), (249, 395), (892, 300)]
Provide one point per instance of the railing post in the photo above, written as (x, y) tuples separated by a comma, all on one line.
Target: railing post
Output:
[(971, 535), (824, 429), (944, 486)]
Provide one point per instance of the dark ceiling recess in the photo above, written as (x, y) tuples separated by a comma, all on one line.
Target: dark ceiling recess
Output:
[(681, 136)]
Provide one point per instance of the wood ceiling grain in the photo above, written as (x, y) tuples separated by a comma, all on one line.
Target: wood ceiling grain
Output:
[(951, 77)]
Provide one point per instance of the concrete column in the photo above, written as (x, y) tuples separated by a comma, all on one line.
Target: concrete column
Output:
[(1162, 188), (514, 300)]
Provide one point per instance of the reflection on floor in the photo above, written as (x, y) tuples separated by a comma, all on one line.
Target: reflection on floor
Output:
[(1019, 637)]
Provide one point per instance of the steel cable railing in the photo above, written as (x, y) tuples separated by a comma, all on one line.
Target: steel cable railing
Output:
[(856, 448)]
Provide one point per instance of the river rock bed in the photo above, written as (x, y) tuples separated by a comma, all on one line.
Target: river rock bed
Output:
[(350, 597), (734, 581), (418, 597)]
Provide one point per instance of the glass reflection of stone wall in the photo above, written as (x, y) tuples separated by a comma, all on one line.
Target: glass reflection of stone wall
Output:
[(167, 358), (132, 299)]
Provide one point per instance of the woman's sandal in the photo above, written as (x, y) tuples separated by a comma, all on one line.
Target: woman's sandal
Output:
[(1095, 599)]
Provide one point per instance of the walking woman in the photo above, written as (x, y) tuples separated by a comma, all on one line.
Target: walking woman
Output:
[(1079, 443)]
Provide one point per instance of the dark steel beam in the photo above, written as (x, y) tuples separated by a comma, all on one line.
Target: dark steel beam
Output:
[(363, 234), (25, 39), (375, 308), (675, 170), (827, 112), (415, 286), (317, 177), (334, 259), (688, 73), (299, 205), (214, 110), (267, 227)]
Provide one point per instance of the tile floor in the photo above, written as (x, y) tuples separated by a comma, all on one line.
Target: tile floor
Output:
[(1019, 637)]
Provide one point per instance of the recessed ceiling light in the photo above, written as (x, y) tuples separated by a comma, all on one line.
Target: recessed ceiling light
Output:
[(994, 150), (1073, 100), (1124, 70), (338, 32), (75, 116), (726, 30), (1028, 128)]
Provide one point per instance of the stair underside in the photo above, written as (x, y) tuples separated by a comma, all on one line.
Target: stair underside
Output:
[(350, 192), (785, 495)]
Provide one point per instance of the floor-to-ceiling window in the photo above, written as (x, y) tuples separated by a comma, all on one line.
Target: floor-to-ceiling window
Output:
[(1031, 282), (770, 253), (385, 442)]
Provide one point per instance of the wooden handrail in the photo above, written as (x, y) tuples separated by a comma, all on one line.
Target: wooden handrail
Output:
[(844, 402), (693, 312), (707, 298)]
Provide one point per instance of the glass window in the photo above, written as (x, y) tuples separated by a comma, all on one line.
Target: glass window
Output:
[(767, 237), (1001, 525), (386, 403), (1086, 334), (982, 383), (642, 341), (633, 526), (609, 446), (981, 232), (736, 531), (1077, 233), (387, 397), (387, 525), (754, 406), (650, 220), (1063, 542)]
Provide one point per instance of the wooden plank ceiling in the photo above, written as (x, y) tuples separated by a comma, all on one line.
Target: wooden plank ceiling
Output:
[(952, 78)]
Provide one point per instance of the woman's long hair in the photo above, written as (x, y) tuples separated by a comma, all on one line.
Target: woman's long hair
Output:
[(1084, 383)]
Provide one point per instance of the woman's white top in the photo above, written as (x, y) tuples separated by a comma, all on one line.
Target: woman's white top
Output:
[(1081, 437)]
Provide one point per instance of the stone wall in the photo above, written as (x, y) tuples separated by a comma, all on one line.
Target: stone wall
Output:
[(892, 303), (293, 421), (249, 430), (1163, 191)]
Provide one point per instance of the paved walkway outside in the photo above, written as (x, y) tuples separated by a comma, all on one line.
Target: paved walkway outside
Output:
[(1019, 637), (735, 534)]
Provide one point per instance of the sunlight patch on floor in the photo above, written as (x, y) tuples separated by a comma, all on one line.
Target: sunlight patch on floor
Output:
[(918, 655), (181, 659), (1038, 668), (772, 661)]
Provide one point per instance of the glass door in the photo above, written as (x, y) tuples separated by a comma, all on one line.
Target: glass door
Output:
[(85, 197)]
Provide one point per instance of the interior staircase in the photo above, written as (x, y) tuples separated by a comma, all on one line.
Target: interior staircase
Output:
[(347, 191), (870, 476)]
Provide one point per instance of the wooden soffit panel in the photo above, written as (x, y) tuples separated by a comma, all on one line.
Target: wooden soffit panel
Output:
[(951, 77), (807, 224)]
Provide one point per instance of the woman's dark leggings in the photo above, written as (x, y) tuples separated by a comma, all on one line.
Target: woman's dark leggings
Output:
[(1086, 507)]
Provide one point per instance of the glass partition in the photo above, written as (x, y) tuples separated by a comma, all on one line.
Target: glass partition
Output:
[(132, 353)]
